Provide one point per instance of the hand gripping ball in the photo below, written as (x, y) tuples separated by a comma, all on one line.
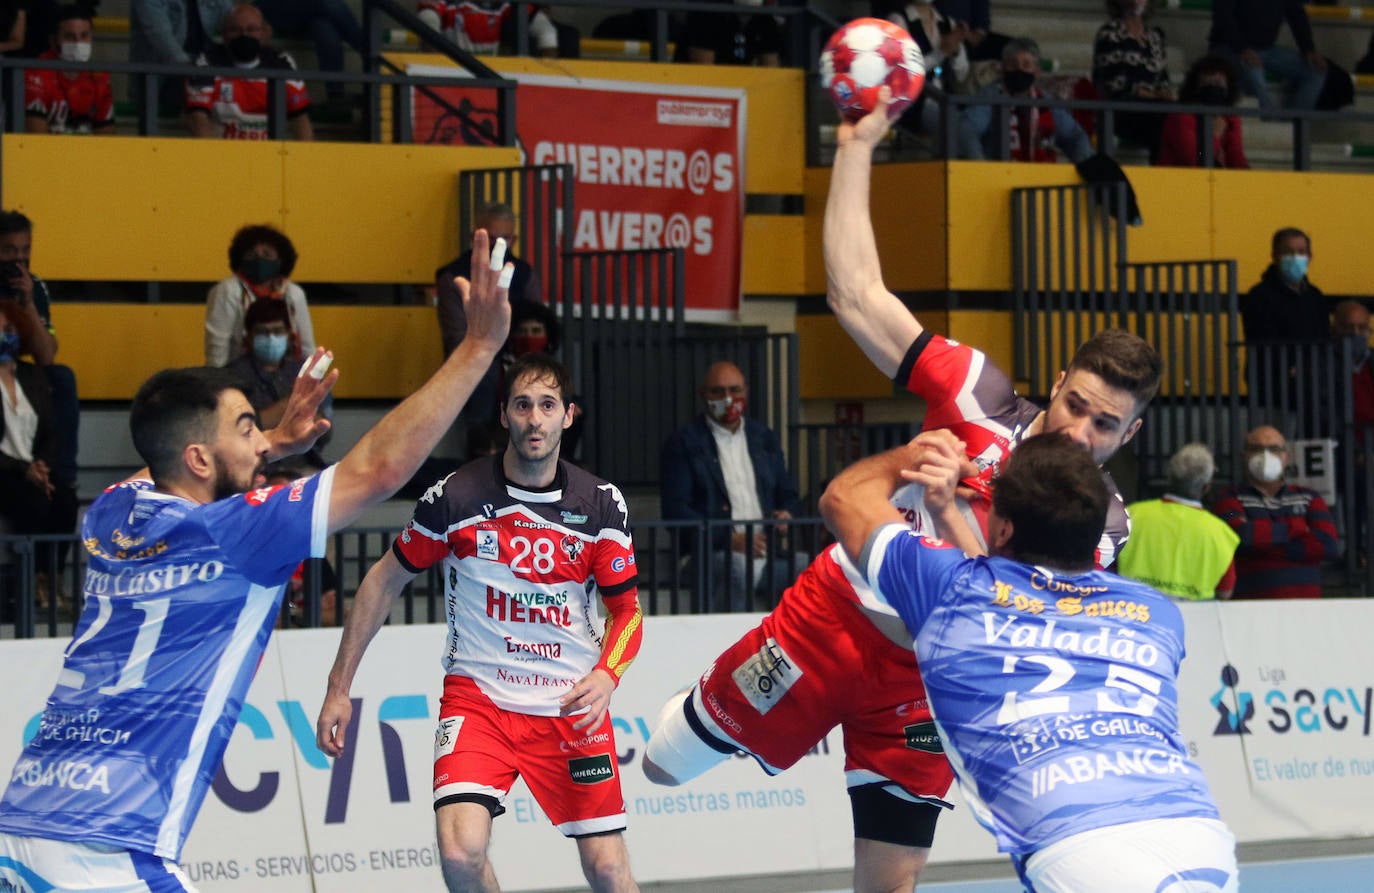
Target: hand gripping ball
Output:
[(862, 56)]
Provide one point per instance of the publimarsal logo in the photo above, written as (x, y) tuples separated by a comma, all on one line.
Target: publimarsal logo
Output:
[(694, 114)]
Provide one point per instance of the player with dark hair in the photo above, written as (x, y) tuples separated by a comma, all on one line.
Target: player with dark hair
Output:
[(185, 581), (815, 662), (543, 616), (1019, 647)]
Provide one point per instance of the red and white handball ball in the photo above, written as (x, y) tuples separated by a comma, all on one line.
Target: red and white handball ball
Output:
[(861, 57)]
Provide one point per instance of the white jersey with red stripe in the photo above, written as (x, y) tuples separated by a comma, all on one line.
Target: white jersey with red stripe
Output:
[(524, 574), (474, 26), (967, 394)]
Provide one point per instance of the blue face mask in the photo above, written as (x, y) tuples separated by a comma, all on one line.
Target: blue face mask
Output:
[(1293, 267), (270, 348), (9, 347)]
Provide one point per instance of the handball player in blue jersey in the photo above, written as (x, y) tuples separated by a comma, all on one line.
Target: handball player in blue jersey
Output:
[(1053, 685), (187, 569)]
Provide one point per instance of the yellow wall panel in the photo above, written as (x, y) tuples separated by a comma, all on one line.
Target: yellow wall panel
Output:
[(775, 135), (832, 366), (377, 213), (1176, 206), (1336, 210), (381, 352), (773, 259), (139, 208)]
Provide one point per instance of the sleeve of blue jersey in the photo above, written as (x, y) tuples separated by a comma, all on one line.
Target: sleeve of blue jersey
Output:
[(908, 572), (267, 538)]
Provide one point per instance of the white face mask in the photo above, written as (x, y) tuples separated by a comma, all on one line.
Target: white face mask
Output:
[(75, 50), (1265, 467)]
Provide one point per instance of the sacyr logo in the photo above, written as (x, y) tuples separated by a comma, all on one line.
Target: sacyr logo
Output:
[(1282, 709)]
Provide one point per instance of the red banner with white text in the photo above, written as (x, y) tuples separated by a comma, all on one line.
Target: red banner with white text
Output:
[(656, 165)]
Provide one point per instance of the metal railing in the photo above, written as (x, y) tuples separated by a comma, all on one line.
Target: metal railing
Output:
[(1104, 111), (671, 579)]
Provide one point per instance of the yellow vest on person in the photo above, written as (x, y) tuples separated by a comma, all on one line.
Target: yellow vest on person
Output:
[(1180, 549)]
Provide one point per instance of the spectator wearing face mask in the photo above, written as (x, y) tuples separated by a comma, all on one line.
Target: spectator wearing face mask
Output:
[(1211, 80), (1280, 314), (236, 107), (1286, 531), (262, 259), (724, 466), (266, 366), (69, 101), (1032, 133)]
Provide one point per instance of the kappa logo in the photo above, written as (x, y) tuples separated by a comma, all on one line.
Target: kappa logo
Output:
[(923, 736), (434, 492), (591, 770)]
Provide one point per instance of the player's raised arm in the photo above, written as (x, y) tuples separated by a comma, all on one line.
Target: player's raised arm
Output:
[(874, 317), (392, 451)]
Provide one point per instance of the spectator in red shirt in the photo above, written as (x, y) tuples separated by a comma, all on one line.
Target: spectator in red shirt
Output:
[(69, 101), (1286, 531), (1210, 81), (236, 108)]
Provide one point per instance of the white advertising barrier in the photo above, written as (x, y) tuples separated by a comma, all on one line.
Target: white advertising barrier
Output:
[(1279, 706), (281, 817)]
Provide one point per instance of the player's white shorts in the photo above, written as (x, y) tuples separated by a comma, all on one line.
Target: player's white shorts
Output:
[(1186, 855), (36, 865)]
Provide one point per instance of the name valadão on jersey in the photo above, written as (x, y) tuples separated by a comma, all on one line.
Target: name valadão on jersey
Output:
[(1116, 644)]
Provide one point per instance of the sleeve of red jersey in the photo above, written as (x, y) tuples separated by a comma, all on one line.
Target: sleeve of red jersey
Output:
[(617, 579), (35, 94), (956, 381), (424, 541), (102, 113), (297, 97), (200, 93)]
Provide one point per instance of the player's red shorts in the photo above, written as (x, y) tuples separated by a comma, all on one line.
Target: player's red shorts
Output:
[(817, 661), (480, 749)]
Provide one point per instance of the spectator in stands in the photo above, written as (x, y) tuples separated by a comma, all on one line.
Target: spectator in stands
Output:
[(1130, 64), (498, 219), (942, 47), (547, 38), (69, 101), (723, 466), (32, 315), (1247, 31), (13, 22), (32, 501), (40, 21), (1281, 312), (1350, 322), (262, 259), (722, 38), (328, 24), (1286, 531), (267, 367), (475, 25), (976, 18), (236, 108), (172, 32), (1211, 80), (1176, 545), (1033, 133)]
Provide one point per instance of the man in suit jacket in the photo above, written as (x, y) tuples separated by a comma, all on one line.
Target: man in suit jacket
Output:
[(722, 465)]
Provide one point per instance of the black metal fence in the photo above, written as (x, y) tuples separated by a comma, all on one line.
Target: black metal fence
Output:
[(672, 579)]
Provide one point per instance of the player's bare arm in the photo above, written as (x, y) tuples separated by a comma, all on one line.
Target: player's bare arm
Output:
[(371, 607), (591, 693), (392, 451), (874, 317), (856, 503)]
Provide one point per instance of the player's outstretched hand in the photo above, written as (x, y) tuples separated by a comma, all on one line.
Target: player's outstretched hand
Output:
[(591, 693), (332, 727), (484, 296), (871, 128), (300, 424)]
